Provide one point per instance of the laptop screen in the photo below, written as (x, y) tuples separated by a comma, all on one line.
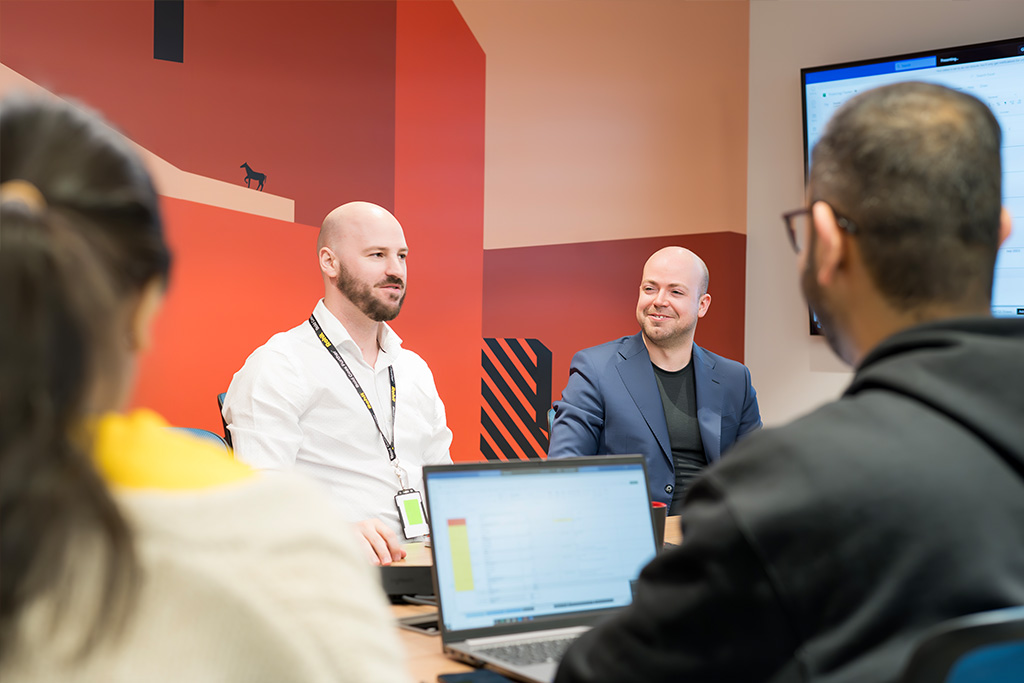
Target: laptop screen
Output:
[(521, 541)]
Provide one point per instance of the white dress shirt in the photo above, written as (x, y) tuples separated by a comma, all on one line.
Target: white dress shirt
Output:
[(291, 407)]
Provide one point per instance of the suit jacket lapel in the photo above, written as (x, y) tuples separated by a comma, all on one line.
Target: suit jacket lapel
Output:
[(638, 377), (710, 397)]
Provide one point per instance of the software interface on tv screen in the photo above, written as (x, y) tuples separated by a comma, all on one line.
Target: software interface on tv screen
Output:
[(992, 72)]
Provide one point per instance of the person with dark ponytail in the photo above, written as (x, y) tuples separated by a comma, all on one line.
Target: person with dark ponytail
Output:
[(130, 552)]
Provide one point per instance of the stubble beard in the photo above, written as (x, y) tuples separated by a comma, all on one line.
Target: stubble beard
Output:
[(665, 338)]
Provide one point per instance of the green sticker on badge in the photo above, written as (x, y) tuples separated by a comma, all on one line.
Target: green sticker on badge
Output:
[(412, 511)]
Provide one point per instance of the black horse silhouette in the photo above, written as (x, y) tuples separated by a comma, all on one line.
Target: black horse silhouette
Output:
[(251, 175)]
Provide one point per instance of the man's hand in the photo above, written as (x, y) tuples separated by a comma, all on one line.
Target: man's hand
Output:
[(381, 543)]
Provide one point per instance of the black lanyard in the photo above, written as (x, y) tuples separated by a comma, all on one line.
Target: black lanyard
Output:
[(359, 390)]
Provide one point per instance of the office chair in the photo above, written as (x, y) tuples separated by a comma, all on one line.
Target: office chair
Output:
[(203, 434), (987, 647), (220, 409)]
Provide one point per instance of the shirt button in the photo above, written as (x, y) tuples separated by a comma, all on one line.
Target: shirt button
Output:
[(668, 488)]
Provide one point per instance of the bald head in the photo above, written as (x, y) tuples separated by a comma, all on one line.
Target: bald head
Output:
[(673, 296), (687, 265), (361, 249), (358, 219)]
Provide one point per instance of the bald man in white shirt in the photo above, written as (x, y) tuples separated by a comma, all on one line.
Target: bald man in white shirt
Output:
[(298, 402)]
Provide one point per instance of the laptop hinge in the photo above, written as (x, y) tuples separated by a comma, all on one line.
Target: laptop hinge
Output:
[(545, 634)]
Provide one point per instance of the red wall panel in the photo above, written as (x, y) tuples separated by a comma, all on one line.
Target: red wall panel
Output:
[(439, 174)]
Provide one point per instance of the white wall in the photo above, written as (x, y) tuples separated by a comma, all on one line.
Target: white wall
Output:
[(792, 371)]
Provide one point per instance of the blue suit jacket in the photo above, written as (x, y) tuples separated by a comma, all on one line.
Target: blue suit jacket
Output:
[(611, 405)]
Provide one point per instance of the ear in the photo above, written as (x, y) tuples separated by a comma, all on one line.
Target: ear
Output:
[(144, 314), (830, 249), (328, 262), (1005, 225), (702, 307)]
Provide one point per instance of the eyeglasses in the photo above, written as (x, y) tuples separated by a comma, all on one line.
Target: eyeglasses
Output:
[(798, 226)]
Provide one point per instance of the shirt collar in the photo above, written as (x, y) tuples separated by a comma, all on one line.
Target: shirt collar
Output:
[(390, 342)]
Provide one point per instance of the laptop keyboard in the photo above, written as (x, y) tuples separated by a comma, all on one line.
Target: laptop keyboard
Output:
[(530, 652)]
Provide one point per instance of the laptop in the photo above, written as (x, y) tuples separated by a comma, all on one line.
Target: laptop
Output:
[(530, 554)]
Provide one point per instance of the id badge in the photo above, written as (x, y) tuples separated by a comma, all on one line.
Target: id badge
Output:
[(412, 514)]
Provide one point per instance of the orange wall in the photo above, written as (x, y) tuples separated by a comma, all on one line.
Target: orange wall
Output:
[(236, 280), (376, 100), (439, 166)]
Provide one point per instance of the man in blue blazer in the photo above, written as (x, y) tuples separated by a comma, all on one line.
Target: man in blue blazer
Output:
[(656, 392)]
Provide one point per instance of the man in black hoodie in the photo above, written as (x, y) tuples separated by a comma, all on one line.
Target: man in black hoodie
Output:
[(820, 551)]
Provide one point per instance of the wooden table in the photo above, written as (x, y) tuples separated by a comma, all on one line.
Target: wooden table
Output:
[(423, 651), (673, 533)]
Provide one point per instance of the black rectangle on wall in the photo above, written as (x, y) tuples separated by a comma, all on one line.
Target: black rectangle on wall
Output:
[(169, 30)]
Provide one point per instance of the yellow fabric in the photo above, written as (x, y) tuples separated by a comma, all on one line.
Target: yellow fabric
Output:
[(138, 451)]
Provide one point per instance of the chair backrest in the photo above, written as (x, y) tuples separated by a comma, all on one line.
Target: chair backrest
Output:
[(204, 434), (987, 647), (220, 409)]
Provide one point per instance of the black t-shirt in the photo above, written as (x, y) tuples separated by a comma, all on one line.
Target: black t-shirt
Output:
[(679, 399)]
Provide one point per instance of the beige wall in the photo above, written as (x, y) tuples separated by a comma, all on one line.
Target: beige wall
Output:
[(609, 119), (792, 371)]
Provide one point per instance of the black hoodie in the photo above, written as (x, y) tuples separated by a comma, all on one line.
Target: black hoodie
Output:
[(820, 551)]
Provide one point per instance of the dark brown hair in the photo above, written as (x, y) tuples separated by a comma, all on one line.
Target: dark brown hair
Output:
[(83, 239)]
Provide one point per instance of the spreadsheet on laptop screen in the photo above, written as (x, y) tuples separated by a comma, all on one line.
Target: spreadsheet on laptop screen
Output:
[(516, 545)]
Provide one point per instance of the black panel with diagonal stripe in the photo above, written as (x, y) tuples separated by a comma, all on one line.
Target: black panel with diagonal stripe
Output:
[(516, 391)]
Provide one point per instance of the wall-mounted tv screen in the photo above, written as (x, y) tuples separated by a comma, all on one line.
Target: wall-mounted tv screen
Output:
[(992, 72)]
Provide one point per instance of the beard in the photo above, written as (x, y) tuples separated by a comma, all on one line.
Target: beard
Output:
[(361, 294), (816, 300)]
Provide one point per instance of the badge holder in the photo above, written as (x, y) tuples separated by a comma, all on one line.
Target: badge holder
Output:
[(412, 514)]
